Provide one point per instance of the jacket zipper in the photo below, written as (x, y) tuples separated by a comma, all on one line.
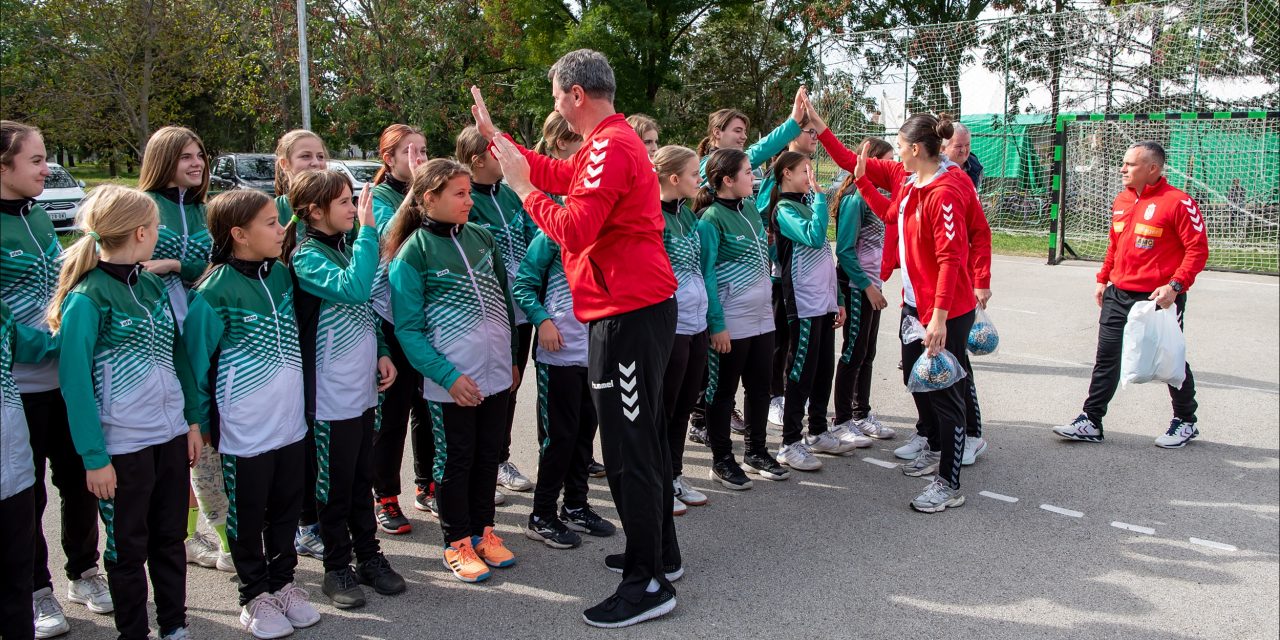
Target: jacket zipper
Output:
[(471, 276), (44, 260), (275, 315), (511, 247), (182, 208)]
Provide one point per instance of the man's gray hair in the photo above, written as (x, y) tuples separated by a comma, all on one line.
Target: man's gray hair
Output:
[(1153, 148), (958, 129), (586, 68)]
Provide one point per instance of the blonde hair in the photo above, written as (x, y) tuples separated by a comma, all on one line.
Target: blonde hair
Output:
[(469, 146), (160, 161), (719, 121), (670, 159), (429, 178), (310, 192), (642, 124), (284, 148), (555, 129), (108, 216)]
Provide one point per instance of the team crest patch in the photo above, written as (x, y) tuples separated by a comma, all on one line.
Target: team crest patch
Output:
[(1150, 212), (1143, 242), (1119, 226)]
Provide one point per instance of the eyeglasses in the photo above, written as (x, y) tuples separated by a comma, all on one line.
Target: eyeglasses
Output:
[(812, 132)]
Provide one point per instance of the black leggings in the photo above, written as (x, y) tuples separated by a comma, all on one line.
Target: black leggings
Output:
[(402, 412), (524, 340), (468, 445), (942, 412), (748, 361), (568, 420), (853, 367), (810, 363), (686, 372)]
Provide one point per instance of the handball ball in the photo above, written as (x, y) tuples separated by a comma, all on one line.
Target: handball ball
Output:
[(934, 373), (983, 339)]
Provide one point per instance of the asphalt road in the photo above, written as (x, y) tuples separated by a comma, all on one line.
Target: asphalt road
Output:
[(838, 553)]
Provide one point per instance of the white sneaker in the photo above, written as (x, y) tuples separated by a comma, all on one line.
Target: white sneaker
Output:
[(50, 620), (299, 612), (911, 450), (872, 428), (687, 494), (202, 551), (264, 618), (510, 477), (775, 410), (1178, 435), (91, 590), (851, 436), (973, 447), (798, 457), (180, 633), (225, 563), (678, 508), (1082, 429), (498, 498), (828, 443)]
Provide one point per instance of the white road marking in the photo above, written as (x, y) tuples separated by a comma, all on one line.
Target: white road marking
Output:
[(998, 496), (1033, 313), (806, 483), (1221, 546), (880, 463), (1061, 511), (1134, 528)]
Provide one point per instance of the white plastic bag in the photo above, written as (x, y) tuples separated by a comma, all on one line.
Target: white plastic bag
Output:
[(912, 330), (1154, 347), (983, 340), (929, 373)]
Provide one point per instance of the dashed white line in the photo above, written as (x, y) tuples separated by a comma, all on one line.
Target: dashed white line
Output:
[(1134, 528), (1060, 511), (998, 496), (806, 483), (1221, 546), (1030, 313), (881, 463)]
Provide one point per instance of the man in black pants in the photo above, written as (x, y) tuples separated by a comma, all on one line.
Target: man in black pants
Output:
[(1158, 245), (610, 234)]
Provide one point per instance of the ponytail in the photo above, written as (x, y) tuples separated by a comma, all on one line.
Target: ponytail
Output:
[(719, 121), (429, 178), (284, 148), (722, 164), (388, 142), (108, 216), (226, 211), (310, 193)]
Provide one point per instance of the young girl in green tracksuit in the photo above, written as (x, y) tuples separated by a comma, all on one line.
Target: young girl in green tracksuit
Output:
[(18, 343), (175, 174), (345, 364), (30, 256), (454, 317), (242, 337), (497, 209), (127, 382), (808, 281), (402, 408)]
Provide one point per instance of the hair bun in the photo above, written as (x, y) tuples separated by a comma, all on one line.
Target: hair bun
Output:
[(944, 128)]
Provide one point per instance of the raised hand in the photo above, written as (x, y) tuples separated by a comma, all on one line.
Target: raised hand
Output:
[(514, 166), (819, 125), (481, 113), (364, 209), (800, 107), (860, 169)]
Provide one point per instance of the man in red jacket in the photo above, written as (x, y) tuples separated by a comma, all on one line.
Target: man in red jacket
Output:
[(1157, 247), (610, 233)]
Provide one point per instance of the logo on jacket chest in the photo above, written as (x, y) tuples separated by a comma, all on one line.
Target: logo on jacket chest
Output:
[(1150, 212)]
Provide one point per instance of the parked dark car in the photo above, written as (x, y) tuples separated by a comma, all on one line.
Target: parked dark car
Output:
[(243, 171)]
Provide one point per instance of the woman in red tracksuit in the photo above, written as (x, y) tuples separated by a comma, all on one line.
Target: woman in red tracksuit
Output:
[(928, 213)]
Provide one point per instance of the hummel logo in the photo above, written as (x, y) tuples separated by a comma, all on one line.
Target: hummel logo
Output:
[(951, 235), (602, 385), (253, 318), (594, 170), (16, 253), (949, 225), (948, 216), (590, 184), (1186, 202), (126, 322), (442, 273), (596, 158), (947, 208), (630, 408), (599, 144)]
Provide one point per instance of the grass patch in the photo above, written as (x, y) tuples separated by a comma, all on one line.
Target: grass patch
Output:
[(94, 175), (1008, 244)]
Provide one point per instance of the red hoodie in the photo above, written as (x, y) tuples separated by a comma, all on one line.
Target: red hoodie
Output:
[(890, 176), (1157, 235), (610, 227)]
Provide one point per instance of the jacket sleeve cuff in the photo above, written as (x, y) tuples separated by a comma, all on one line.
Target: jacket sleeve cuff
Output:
[(449, 378), (96, 460), (982, 283), (537, 318)]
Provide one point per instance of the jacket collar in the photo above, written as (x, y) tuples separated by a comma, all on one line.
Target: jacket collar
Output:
[(337, 240), (176, 195), (732, 203), (252, 268), (672, 206), (1151, 188), (442, 229), (126, 273), (793, 196), (486, 189), (401, 187), (19, 207)]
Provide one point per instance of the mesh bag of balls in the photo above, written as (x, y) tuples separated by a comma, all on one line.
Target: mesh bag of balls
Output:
[(984, 340), (929, 373)]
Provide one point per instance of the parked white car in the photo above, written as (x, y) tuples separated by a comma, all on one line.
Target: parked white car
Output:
[(359, 172), (61, 198)]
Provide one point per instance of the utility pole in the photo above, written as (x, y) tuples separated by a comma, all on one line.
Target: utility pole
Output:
[(304, 82)]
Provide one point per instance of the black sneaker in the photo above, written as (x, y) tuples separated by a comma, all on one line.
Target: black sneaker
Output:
[(698, 435), (390, 518), (377, 573), (425, 500), (343, 588), (615, 612), (595, 469), (728, 473), (551, 532), (615, 563), (765, 465), (737, 423), (587, 521)]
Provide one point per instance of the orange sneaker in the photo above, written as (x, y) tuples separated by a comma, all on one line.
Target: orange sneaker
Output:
[(460, 557), (490, 549)]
